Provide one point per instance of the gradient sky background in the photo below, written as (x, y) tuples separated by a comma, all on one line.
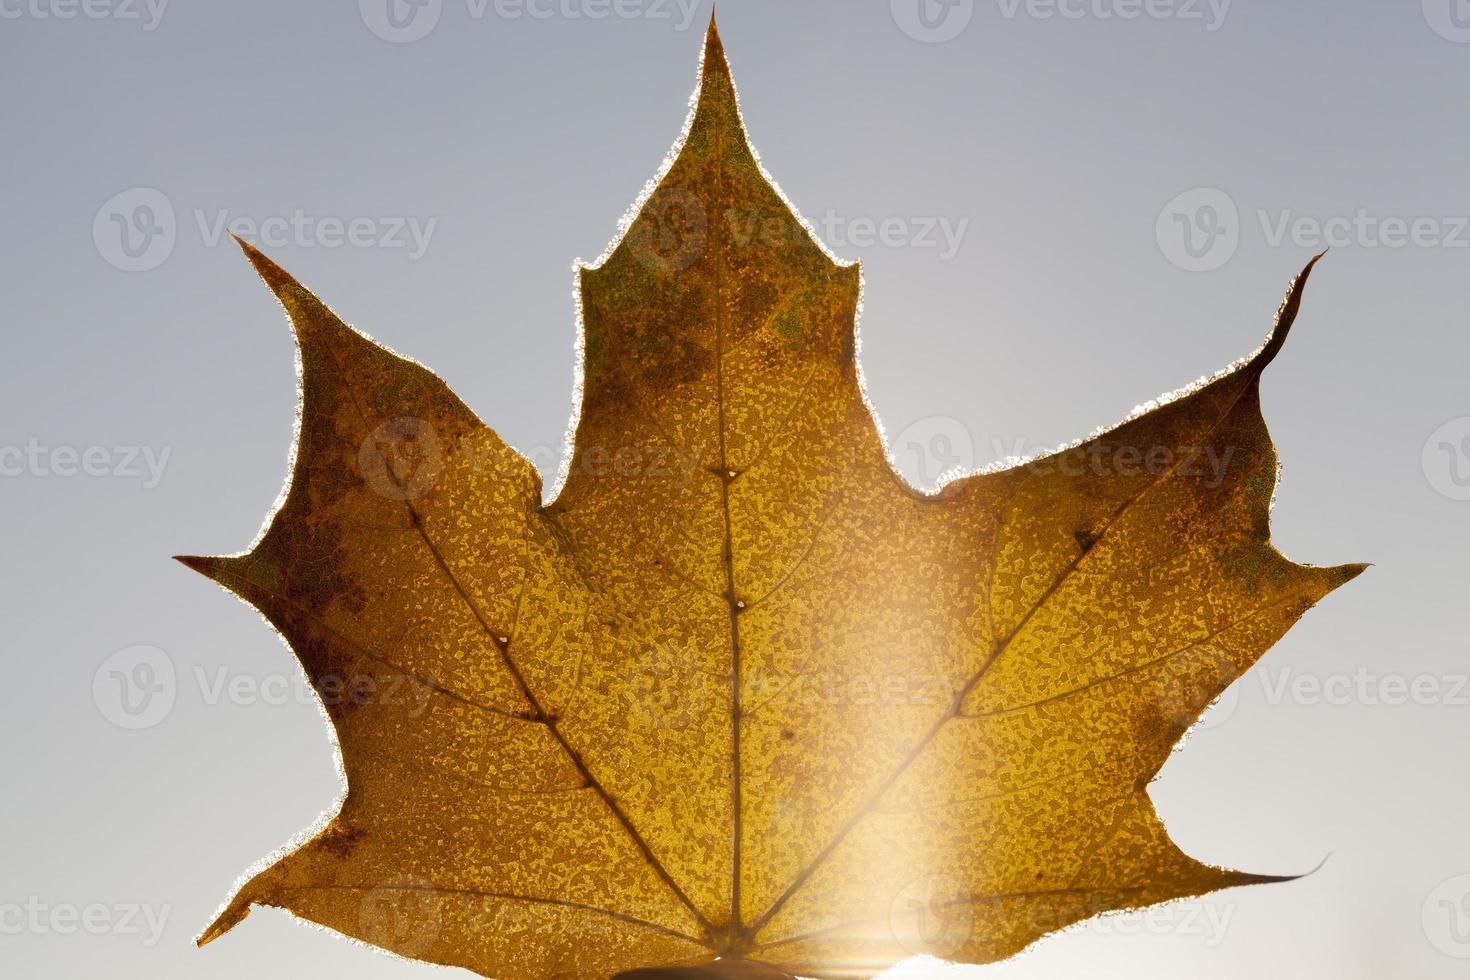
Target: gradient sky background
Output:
[(1074, 151)]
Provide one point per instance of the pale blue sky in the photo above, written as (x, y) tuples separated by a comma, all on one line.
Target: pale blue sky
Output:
[(1019, 194)]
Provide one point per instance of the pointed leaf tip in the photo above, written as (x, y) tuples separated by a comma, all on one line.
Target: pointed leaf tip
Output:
[(1287, 311), (714, 52), (1287, 879), (717, 106), (211, 567), (201, 564), (227, 920), (302, 306), (1320, 865), (277, 278)]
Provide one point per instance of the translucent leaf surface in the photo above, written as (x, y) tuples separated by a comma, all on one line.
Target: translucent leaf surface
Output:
[(738, 691)]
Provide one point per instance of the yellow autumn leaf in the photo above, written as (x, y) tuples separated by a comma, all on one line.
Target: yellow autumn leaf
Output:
[(738, 692)]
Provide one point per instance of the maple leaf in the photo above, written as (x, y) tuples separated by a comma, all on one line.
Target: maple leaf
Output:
[(738, 696)]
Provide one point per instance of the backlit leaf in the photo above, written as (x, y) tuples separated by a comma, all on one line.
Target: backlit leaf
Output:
[(738, 691)]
